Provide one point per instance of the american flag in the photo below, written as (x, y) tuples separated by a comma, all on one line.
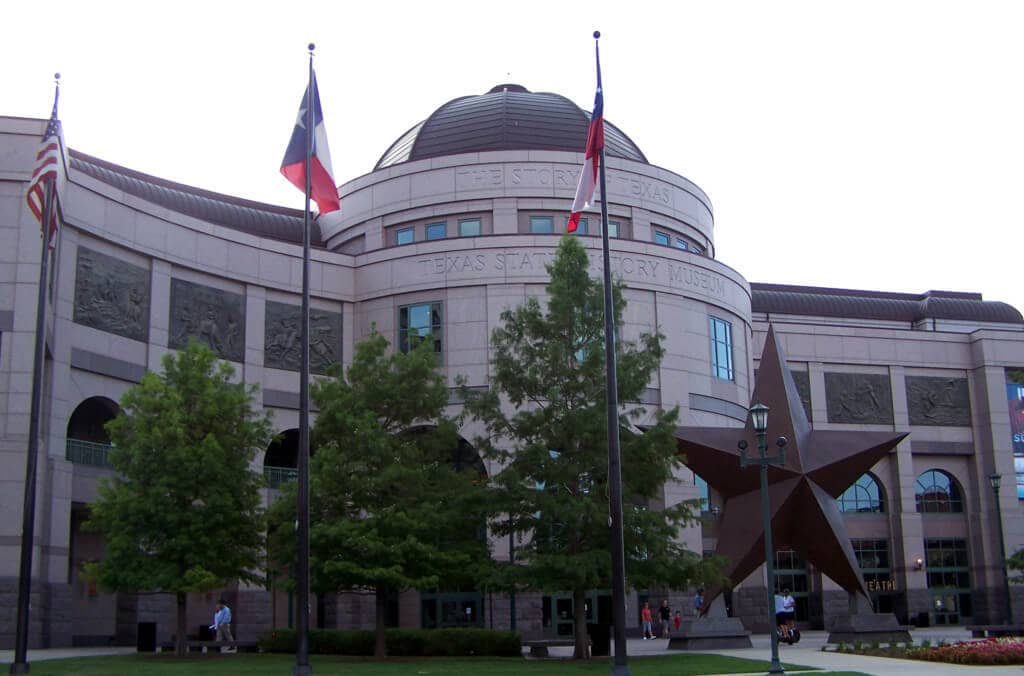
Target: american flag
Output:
[(49, 170)]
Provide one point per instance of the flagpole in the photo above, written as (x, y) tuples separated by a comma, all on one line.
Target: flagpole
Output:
[(619, 666), (28, 510), (302, 665)]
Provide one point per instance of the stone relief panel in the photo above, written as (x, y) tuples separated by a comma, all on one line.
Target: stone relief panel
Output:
[(111, 295), (858, 398), (211, 316), (938, 401), (283, 338), (802, 380)]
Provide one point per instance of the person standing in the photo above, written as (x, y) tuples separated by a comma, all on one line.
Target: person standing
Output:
[(222, 626), (677, 621), (645, 616), (698, 602), (665, 615)]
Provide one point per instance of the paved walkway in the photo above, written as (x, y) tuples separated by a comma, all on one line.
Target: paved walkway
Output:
[(7, 656), (808, 653)]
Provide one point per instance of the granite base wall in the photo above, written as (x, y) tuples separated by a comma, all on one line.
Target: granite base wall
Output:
[(252, 614), (49, 619)]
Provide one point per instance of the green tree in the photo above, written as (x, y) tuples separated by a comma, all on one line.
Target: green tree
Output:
[(183, 512), (545, 419), (389, 510)]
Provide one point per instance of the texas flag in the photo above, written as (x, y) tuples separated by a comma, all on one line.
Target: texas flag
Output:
[(322, 188), (592, 161)]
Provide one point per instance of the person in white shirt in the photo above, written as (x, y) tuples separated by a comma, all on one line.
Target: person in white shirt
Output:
[(785, 613)]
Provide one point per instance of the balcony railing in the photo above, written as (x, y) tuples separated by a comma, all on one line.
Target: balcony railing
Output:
[(276, 476), (87, 453)]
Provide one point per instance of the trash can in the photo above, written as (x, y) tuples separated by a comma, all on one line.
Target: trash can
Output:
[(145, 641), (600, 639)]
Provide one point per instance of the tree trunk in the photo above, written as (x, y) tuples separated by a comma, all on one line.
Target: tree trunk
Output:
[(380, 646), (180, 640), (581, 650)]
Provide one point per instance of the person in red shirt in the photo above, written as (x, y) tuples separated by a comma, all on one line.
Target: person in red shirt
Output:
[(645, 615), (677, 620)]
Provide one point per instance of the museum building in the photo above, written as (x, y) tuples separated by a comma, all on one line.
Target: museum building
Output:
[(453, 225)]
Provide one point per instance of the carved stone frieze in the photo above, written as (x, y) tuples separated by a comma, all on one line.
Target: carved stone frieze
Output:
[(802, 380), (111, 295), (283, 338), (211, 316), (858, 398), (938, 401)]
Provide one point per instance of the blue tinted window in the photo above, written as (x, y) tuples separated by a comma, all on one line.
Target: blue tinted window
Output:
[(721, 349), (405, 236), (863, 496), (469, 227), (542, 225), (436, 231)]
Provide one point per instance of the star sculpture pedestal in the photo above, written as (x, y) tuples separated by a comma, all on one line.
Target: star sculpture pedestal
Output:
[(820, 465), (714, 631)]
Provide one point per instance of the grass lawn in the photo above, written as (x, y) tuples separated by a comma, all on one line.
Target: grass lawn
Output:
[(275, 665)]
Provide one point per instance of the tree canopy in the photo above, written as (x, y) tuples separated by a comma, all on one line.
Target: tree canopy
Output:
[(546, 423), (183, 512), (389, 507)]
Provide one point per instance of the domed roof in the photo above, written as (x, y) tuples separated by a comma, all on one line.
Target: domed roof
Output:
[(509, 117)]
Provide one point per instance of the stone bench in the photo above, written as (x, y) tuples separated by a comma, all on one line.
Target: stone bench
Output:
[(206, 646), (539, 647)]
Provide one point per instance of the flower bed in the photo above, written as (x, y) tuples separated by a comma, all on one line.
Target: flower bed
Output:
[(987, 651)]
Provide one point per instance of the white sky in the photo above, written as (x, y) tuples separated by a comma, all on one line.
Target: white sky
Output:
[(873, 145)]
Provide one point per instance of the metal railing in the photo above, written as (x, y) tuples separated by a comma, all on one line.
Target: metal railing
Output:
[(276, 476), (87, 453)]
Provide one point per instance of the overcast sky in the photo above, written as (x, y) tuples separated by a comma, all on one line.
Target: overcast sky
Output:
[(868, 145)]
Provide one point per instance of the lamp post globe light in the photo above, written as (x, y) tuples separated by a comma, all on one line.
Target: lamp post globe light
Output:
[(994, 480), (759, 419)]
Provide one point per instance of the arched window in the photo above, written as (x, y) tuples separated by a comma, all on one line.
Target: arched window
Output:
[(937, 491), (864, 496), (88, 442)]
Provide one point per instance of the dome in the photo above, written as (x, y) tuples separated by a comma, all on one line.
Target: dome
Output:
[(509, 117)]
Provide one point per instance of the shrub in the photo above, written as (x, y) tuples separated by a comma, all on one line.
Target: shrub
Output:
[(400, 642)]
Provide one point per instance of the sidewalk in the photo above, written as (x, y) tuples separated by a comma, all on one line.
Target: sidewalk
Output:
[(7, 656), (808, 653)]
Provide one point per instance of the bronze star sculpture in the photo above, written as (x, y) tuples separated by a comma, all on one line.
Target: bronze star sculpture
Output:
[(820, 466)]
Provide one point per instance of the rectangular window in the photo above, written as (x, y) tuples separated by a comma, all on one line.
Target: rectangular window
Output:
[(469, 227), (681, 244), (436, 231), (662, 238), (542, 225), (416, 322), (721, 349), (613, 229), (405, 236), (581, 227)]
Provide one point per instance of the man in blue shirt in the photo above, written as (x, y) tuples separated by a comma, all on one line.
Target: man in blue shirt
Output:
[(222, 625)]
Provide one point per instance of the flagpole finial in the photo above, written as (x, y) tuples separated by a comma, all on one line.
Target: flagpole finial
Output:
[(597, 35), (311, 47), (56, 78)]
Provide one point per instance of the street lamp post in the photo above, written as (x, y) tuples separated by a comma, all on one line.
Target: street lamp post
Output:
[(759, 417), (994, 480)]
